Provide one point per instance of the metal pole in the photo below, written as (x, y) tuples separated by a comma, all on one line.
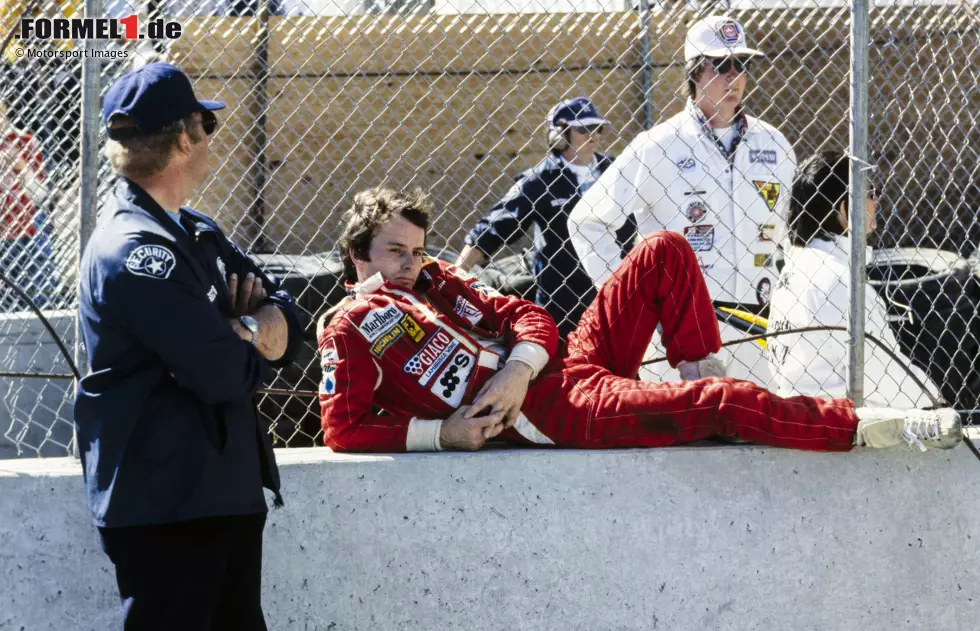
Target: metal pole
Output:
[(89, 167), (857, 196), (259, 137), (647, 66)]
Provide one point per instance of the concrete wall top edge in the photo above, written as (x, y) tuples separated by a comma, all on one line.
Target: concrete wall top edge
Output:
[(58, 467)]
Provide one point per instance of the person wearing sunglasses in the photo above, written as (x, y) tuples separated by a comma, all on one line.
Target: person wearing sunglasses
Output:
[(542, 198), (712, 173), (181, 329), (813, 290)]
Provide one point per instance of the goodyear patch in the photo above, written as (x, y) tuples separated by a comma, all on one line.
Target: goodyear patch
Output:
[(386, 339), (769, 192)]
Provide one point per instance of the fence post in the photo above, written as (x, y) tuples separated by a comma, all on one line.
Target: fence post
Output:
[(647, 67), (259, 140), (857, 196), (89, 165)]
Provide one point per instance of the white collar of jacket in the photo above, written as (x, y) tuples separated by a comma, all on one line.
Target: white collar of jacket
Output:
[(370, 286), (838, 247)]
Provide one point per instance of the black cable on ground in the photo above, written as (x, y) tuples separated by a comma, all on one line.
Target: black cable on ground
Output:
[(47, 325)]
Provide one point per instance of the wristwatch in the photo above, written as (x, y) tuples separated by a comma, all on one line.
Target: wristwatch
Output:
[(252, 325)]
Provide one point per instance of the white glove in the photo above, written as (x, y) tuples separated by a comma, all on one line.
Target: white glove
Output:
[(710, 366)]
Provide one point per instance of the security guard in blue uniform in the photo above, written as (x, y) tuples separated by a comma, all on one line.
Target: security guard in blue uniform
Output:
[(543, 197), (181, 329)]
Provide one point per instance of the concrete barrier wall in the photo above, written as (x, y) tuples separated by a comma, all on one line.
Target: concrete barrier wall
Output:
[(689, 538)]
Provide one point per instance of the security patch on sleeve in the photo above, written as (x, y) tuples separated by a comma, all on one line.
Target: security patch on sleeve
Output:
[(152, 261)]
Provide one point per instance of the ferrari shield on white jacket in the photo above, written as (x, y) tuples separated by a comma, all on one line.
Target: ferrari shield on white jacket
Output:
[(813, 290), (731, 208)]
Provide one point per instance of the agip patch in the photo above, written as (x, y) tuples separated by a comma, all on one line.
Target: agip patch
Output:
[(769, 192)]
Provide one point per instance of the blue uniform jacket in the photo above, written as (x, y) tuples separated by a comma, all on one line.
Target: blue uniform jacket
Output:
[(543, 197), (167, 425)]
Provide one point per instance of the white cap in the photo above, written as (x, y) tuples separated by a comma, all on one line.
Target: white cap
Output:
[(717, 36)]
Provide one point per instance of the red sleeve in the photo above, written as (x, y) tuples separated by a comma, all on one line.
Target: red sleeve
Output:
[(347, 384), (524, 320)]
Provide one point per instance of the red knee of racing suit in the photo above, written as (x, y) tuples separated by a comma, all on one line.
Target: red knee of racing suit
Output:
[(420, 354)]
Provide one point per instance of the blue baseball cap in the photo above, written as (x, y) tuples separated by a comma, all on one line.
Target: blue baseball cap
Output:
[(577, 112), (153, 96)]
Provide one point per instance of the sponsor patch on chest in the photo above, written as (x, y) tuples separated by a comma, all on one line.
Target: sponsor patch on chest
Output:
[(377, 321), (767, 232), (466, 310), (763, 290), (386, 339), (413, 329), (769, 192), (701, 238), (433, 355), (696, 211), (451, 383), (764, 156)]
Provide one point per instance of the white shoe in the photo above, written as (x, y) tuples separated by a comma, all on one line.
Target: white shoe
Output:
[(710, 366), (886, 427)]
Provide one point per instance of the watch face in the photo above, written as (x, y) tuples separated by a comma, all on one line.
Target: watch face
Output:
[(250, 323)]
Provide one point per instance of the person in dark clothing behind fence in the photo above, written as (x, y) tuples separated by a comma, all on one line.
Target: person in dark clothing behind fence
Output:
[(181, 329), (543, 197)]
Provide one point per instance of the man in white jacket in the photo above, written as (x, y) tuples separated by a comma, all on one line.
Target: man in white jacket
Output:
[(813, 290), (712, 173)]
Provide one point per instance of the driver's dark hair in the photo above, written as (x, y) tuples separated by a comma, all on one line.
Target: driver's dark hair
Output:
[(819, 187), (371, 209)]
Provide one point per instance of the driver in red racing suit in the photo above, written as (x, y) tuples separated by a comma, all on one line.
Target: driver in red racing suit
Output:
[(424, 358)]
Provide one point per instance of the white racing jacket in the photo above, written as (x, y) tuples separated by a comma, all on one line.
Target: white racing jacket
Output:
[(813, 291), (676, 177)]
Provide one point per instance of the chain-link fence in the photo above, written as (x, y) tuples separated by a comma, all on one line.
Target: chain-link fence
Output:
[(327, 99)]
